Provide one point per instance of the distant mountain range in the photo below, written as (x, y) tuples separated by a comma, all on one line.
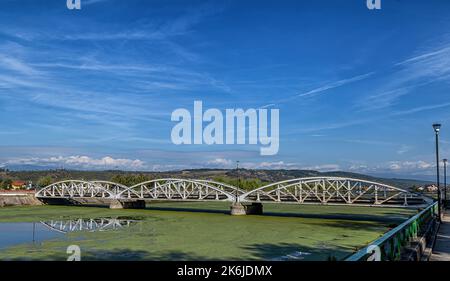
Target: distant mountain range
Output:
[(30, 167), (267, 176)]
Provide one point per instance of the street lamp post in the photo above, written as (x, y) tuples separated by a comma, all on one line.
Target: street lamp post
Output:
[(445, 183), (437, 128), (239, 180)]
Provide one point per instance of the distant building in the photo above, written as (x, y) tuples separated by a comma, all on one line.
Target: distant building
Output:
[(18, 185), (430, 188)]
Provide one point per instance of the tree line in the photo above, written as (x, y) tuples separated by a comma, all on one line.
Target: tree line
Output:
[(246, 184), (133, 179)]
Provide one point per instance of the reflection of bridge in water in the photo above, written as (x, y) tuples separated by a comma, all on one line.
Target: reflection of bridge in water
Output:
[(314, 190), (91, 225)]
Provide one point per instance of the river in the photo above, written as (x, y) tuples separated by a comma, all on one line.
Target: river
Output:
[(191, 231)]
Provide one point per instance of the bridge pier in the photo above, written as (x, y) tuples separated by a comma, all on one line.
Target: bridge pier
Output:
[(239, 209), (127, 204)]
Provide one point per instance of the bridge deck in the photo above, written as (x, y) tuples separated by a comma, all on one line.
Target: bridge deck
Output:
[(441, 250)]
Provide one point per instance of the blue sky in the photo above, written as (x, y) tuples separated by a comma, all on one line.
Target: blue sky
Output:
[(94, 88)]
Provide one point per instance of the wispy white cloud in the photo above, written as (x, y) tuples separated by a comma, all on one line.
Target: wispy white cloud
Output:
[(16, 65), (273, 165), (270, 165), (80, 162), (404, 149), (220, 162), (334, 125), (421, 108), (434, 63), (42, 82), (407, 76), (410, 166), (335, 84), (382, 100), (322, 89), (424, 56), (323, 167), (393, 168), (373, 118)]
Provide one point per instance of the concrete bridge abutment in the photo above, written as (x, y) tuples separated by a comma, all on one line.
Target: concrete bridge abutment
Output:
[(240, 209), (127, 204)]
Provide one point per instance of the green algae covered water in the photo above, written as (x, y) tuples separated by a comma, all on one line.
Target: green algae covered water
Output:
[(192, 231)]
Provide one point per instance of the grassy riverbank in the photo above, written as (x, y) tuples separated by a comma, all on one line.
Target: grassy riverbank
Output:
[(204, 231)]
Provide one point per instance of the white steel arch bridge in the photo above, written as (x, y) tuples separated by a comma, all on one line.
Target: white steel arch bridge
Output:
[(311, 190)]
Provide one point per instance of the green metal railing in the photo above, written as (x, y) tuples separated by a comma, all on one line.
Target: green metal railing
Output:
[(390, 244)]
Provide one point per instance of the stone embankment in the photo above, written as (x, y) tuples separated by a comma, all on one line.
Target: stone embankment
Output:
[(18, 198)]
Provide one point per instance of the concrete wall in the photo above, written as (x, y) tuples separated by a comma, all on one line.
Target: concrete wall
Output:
[(18, 200)]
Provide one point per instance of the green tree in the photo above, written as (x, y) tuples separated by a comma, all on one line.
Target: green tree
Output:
[(130, 179), (246, 184), (142, 178), (5, 184), (44, 181), (120, 179)]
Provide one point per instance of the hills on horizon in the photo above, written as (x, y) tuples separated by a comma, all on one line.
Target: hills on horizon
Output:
[(267, 176)]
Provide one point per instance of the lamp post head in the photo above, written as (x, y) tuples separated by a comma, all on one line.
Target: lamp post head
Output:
[(436, 127), (445, 161)]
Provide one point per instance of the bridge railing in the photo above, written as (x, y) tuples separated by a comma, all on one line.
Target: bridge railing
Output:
[(389, 246)]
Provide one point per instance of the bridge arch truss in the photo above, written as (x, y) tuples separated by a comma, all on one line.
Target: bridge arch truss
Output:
[(158, 189), (77, 189), (331, 190), (182, 190)]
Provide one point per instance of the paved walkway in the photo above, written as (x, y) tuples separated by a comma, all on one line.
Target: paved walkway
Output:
[(441, 251)]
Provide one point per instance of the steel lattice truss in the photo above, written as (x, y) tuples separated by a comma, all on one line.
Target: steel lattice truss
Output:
[(331, 190), (115, 188), (91, 225), (160, 189), (181, 189), (316, 190), (77, 189)]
